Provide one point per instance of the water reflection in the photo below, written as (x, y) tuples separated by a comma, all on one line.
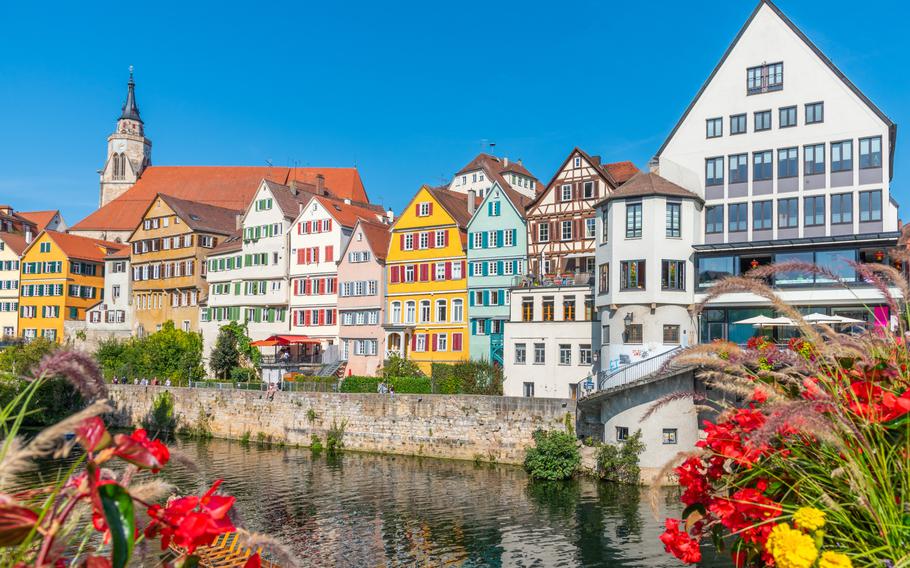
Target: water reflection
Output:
[(370, 510)]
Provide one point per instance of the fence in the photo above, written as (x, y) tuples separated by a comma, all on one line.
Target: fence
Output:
[(302, 386)]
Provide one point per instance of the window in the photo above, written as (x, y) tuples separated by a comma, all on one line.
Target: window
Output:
[(632, 275), (410, 311), (585, 357), (566, 230), (762, 167), (787, 213), (442, 341), (528, 388), (589, 189), (576, 162), (457, 310), (673, 274), (424, 240), (622, 433), (814, 159), (633, 220), (508, 238), (604, 278), (714, 171), (540, 354), (714, 219), (671, 334), (440, 271), (674, 215), (424, 310), (527, 309), (815, 113), (424, 209), (739, 168), (841, 208), (738, 124), (762, 120), (814, 210), (440, 239), (842, 156), (441, 311), (787, 163), (870, 206), (549, 308), (787, 117), (478, 239), (633, 334), (566, 192), (669, 436), (870, 152), (765, 78), (762, 214), (44, 247), (568, 308), (420, 342), (737, 217), (543, 232), (715, 127), (590, 227), (409, 241), (521, 353), (565, 354)]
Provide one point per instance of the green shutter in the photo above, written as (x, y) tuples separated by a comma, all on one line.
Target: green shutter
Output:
[(486, 239), (499, 268), (486, 297), (499, 240)]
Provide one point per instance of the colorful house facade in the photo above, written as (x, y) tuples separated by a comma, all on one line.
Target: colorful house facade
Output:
[(16, 232), (361, 298), (497, 258), (167, 261), (62, 276), (426, 301)]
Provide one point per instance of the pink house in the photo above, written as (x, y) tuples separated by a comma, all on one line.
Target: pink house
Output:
[(361, 294)]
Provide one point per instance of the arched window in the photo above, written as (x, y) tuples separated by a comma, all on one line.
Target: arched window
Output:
[(396, 312), (457, 309), (410, 311), (119, 166), (424, 311), (441, 311)]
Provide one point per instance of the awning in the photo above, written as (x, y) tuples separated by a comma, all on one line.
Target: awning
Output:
[(284, 340)]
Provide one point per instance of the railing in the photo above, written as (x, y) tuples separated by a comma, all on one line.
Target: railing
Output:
[(278, 360), (301, 386), (553, 280), (629, 373)]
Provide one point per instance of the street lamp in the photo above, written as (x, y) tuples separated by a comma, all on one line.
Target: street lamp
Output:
[(628, 319)]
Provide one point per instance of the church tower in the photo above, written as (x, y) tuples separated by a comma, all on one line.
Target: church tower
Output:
[(129, 152)]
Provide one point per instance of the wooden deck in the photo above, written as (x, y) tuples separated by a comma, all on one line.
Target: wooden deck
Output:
[(225, 552)]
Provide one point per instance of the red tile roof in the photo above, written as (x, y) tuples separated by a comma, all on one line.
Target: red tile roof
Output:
[(231, 187), (622, 171), (39, 218), (83, 248), (378, 235), (15, 241), (455, 203), (203, 217), (347, 214)]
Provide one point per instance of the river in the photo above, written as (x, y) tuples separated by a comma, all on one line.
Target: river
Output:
[(369, 510)]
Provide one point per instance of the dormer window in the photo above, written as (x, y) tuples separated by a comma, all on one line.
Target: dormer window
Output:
[(577, 162), (765, 78)]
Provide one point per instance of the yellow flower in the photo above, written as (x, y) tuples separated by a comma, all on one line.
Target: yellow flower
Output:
[(791, 548), (809, 518), (834, 560)]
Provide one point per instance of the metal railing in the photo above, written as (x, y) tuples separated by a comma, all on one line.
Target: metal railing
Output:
[(629, 373), (301, 386), (553, 280)]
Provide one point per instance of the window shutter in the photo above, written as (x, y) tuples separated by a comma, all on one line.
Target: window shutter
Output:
[(473, 332), (456, 342), (446, 237), (424, 272), (578, 233), (489, 326), (329, 225), (499, 240), (430, 209), (433, 342), (499, 268), (329, 252), (514, 237), (300, 257), (470, 240), (463, 273), (393, 274), (486, 239), (486, 297), (470, 299), (448, 270), (401, 242), (413, 341), (483, 268), (307, 286), (321, 317)]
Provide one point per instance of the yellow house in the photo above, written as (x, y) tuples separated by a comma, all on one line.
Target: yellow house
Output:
[(426, 293), (61, 276)]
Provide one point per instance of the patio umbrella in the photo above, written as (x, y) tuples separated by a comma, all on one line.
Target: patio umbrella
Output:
[(758, 320), (821, 318), (844, 319)]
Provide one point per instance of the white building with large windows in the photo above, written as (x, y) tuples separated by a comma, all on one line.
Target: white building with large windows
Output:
[(793, 162)]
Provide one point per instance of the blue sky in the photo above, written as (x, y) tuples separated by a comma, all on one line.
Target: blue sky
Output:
[(407, 92)]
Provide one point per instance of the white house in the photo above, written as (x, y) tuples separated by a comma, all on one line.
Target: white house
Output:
[(112, 317), (794, 162), (318, 235), (549, 341), (480, 173), (645, 280)]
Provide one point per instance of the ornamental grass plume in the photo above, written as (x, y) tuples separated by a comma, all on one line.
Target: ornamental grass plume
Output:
[(806, 461)]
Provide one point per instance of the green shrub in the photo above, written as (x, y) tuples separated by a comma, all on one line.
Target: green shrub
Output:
[(245, 438), (311, 415), (201, 429), (169, 353), (334, 438), (315, 444), (467, 377), (396, 366), (620, 463), (403, 385), (244, 375), (554, 456), (161, 419), (19, 358)]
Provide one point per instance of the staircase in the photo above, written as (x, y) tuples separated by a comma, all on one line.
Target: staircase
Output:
[(640, 370), (496, 349), (332, 369)]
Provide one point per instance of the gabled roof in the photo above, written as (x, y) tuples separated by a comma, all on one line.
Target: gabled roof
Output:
[(347, 214), (123, 254), (456, 204), (614, 174), (644, 184), (231, 187), (289, 198), (232, 243), (41, 219), (82, 248), (378, 236), (517, 204), (15, 241), (203, 217), (799, 33), (494, 168)]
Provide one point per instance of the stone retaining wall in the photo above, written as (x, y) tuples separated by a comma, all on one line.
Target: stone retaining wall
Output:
[(491, 428)]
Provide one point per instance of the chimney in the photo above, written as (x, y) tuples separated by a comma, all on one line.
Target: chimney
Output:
[(28, 235), (391, 215), (654, 165), (238, 222), (320, 184), (519, 162), (505, 162), (347, 201), (471, 201), (293, 187)]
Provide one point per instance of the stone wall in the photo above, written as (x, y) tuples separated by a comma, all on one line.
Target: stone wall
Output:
[(491, 428)]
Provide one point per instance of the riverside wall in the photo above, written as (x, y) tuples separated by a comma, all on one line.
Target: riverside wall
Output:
[(491, 428)]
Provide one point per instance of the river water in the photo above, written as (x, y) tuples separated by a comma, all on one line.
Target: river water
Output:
[(369, 510)]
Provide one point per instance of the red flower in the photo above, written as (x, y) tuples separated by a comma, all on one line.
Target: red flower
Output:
[(191, 522), (254, 561), (138, 449), (693, 479), (680, 544), (92, 434), (875, 404)]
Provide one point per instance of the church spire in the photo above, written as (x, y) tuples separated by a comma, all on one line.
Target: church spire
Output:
[(130, 110)]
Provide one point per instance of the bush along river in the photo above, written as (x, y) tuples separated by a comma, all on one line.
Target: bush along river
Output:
[(360, 509)]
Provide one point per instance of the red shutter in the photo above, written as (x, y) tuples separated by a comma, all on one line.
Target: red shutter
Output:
[(424, 272), (306, 286), (446, 233), (432, 342), (300, 257), (430, 209), (448, 270), (316, 255), (329, 253), (299, 228), (306, 317), (401, 241), (534, 233), (456, 342), (413, 341), (329, 225), (394, 274), (463, 273), (321, 317)]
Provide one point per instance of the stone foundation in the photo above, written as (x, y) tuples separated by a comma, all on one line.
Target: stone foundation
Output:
[(489, 428)]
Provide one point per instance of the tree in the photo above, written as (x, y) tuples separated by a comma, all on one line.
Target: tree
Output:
[(19, 359), (225, 356)]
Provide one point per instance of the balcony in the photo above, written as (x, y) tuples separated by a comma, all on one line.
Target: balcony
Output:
[(553, 280)]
